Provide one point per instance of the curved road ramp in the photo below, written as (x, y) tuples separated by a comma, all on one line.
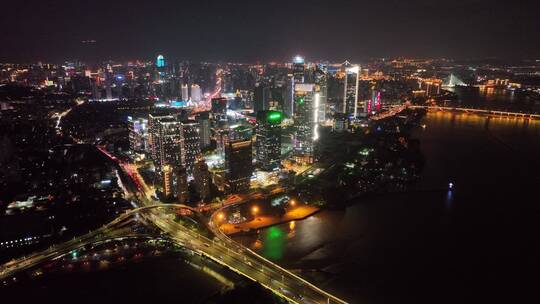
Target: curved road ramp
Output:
[(186, 228)]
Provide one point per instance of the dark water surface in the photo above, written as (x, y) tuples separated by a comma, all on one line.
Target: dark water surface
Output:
[(479, 243), (158, 280)]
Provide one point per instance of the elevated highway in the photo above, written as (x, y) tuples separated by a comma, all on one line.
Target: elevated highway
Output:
[(186, 227)]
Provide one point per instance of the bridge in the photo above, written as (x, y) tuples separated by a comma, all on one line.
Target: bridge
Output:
[(479, 111), (187, 228), (199, 237), (452, 81)]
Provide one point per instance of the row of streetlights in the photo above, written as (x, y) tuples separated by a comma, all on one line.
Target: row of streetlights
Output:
[(254, 210)]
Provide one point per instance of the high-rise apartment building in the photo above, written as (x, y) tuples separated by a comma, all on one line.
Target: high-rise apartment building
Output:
[(268, 140), (191, 144), (138, 135), (166, 138)]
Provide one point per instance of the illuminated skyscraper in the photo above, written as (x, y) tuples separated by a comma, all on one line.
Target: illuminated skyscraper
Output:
[(298, 68), (306, 118), (350, 100), (268, 139), (288, 106), (138, 135), (192, 144), (185, 92), (261, 97), (196, 94), (160, 61), (297, 76), (108, 82), (238, 165), (166, 141), (321, 82), (203, 119)]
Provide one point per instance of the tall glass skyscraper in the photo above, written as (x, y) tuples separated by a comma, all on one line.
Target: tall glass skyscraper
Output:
[(268, 140), (350, 100), (306, 117)]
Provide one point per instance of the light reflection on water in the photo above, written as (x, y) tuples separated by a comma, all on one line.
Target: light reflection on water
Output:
[(459, 147), (274, 243), (426, 239)]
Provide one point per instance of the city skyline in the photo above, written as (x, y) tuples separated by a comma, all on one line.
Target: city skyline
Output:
[(300, 152), (248, 31)]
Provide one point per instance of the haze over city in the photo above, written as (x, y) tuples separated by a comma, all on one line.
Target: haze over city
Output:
[(249, 31)]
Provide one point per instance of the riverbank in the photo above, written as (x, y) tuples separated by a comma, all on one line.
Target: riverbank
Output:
[(264, 221), (416, 245)]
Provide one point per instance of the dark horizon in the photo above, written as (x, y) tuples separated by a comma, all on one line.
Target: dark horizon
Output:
[(248, 31)]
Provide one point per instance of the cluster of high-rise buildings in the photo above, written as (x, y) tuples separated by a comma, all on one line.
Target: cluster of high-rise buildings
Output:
[(173, 142), (250, 143)]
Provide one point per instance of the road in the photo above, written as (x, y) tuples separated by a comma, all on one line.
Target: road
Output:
[(117, 228), (216, 246), (225, 251)]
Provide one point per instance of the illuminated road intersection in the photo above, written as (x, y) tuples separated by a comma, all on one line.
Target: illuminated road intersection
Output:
[(185, 227)]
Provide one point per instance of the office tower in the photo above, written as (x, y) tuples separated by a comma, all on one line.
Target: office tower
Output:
[(201, 176), (321, 82), (182, 190), (306, 115), (268, 140), (238, 165), (203, 119), (261, 96), (288, 99), (166, 141), (138, 135), (298, 68), (185, 92), (350, 94), (191, 144), (108, 82), (160, 61), (196, 94)]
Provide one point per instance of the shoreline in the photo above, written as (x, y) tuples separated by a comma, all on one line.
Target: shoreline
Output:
[(261, 222)]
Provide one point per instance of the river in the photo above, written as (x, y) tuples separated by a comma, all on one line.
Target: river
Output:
[(478, 243)]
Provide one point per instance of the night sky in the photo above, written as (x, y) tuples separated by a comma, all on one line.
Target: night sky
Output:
[(248, 31)]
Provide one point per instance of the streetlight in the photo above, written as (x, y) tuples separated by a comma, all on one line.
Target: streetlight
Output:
[(292, 202), (221, 216), (254, 210)]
